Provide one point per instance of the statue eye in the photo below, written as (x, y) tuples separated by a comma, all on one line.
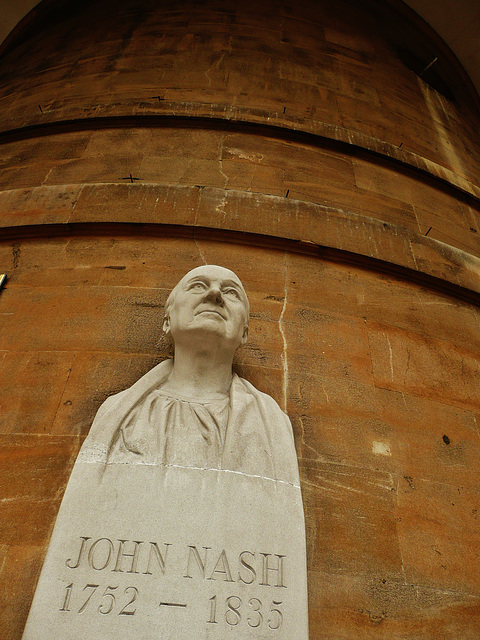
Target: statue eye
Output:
[(197, 286), (232, 292)]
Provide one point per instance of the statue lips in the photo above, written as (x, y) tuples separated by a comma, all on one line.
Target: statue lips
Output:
[(216, 311)]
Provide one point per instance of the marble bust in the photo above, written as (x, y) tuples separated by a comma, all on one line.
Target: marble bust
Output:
[(193, 411), (183, 515)]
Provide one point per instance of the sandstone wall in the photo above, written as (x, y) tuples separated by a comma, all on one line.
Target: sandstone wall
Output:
[(290, 143)]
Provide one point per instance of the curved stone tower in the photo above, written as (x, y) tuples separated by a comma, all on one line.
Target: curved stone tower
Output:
[(308, 147)]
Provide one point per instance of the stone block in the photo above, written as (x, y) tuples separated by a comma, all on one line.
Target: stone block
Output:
[(165, 142), (345, 423), (18, 577), (31, 175), (38, 205), (350, 519), (416, 308), (36, 470), (150, 203), (321, 340), (95, 169), (32, 389), (387, 300), (407, 362), (438, 533), (382, 608), (83, 318)]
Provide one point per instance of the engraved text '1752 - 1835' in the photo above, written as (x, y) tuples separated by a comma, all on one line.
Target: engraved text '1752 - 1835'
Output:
[(152, 559)]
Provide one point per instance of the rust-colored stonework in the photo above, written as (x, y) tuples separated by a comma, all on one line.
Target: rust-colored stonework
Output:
[(290, 142)]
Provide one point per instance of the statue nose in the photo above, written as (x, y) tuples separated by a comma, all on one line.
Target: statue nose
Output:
[(214, 295)]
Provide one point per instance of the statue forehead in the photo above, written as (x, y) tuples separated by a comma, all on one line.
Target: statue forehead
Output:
[(211, 271)]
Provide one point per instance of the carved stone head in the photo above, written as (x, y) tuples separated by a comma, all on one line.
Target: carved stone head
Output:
[(208, 300)]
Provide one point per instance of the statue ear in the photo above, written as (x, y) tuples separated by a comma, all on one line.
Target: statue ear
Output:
[(245, 334), (166, 325)]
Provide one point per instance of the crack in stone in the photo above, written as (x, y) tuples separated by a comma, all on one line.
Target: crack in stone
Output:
[(200, 252), (220, 167), (285, 345), (96, 460), (390, 354)]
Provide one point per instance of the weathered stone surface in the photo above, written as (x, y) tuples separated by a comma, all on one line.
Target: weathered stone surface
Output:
[(385, 608), (354, 536), (32, 391), (352, 435), (210, 64), (438, 530), (215, 159), (403, 361), (35, 472), (238, 211), (20, 566), (384, 176), (93, 328)]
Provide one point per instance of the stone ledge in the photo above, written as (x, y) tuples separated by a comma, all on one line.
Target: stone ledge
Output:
[(240, 217), (143, 114)]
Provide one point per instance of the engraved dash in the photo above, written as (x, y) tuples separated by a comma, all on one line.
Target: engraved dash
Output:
[(172, 604)]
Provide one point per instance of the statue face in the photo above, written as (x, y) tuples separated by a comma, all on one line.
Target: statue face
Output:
[(209, 300)]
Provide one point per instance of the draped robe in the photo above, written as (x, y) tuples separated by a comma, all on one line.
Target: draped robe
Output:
[(145, 425)]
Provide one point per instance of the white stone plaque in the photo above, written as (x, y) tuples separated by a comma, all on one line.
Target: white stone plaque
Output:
[(183, 517)]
